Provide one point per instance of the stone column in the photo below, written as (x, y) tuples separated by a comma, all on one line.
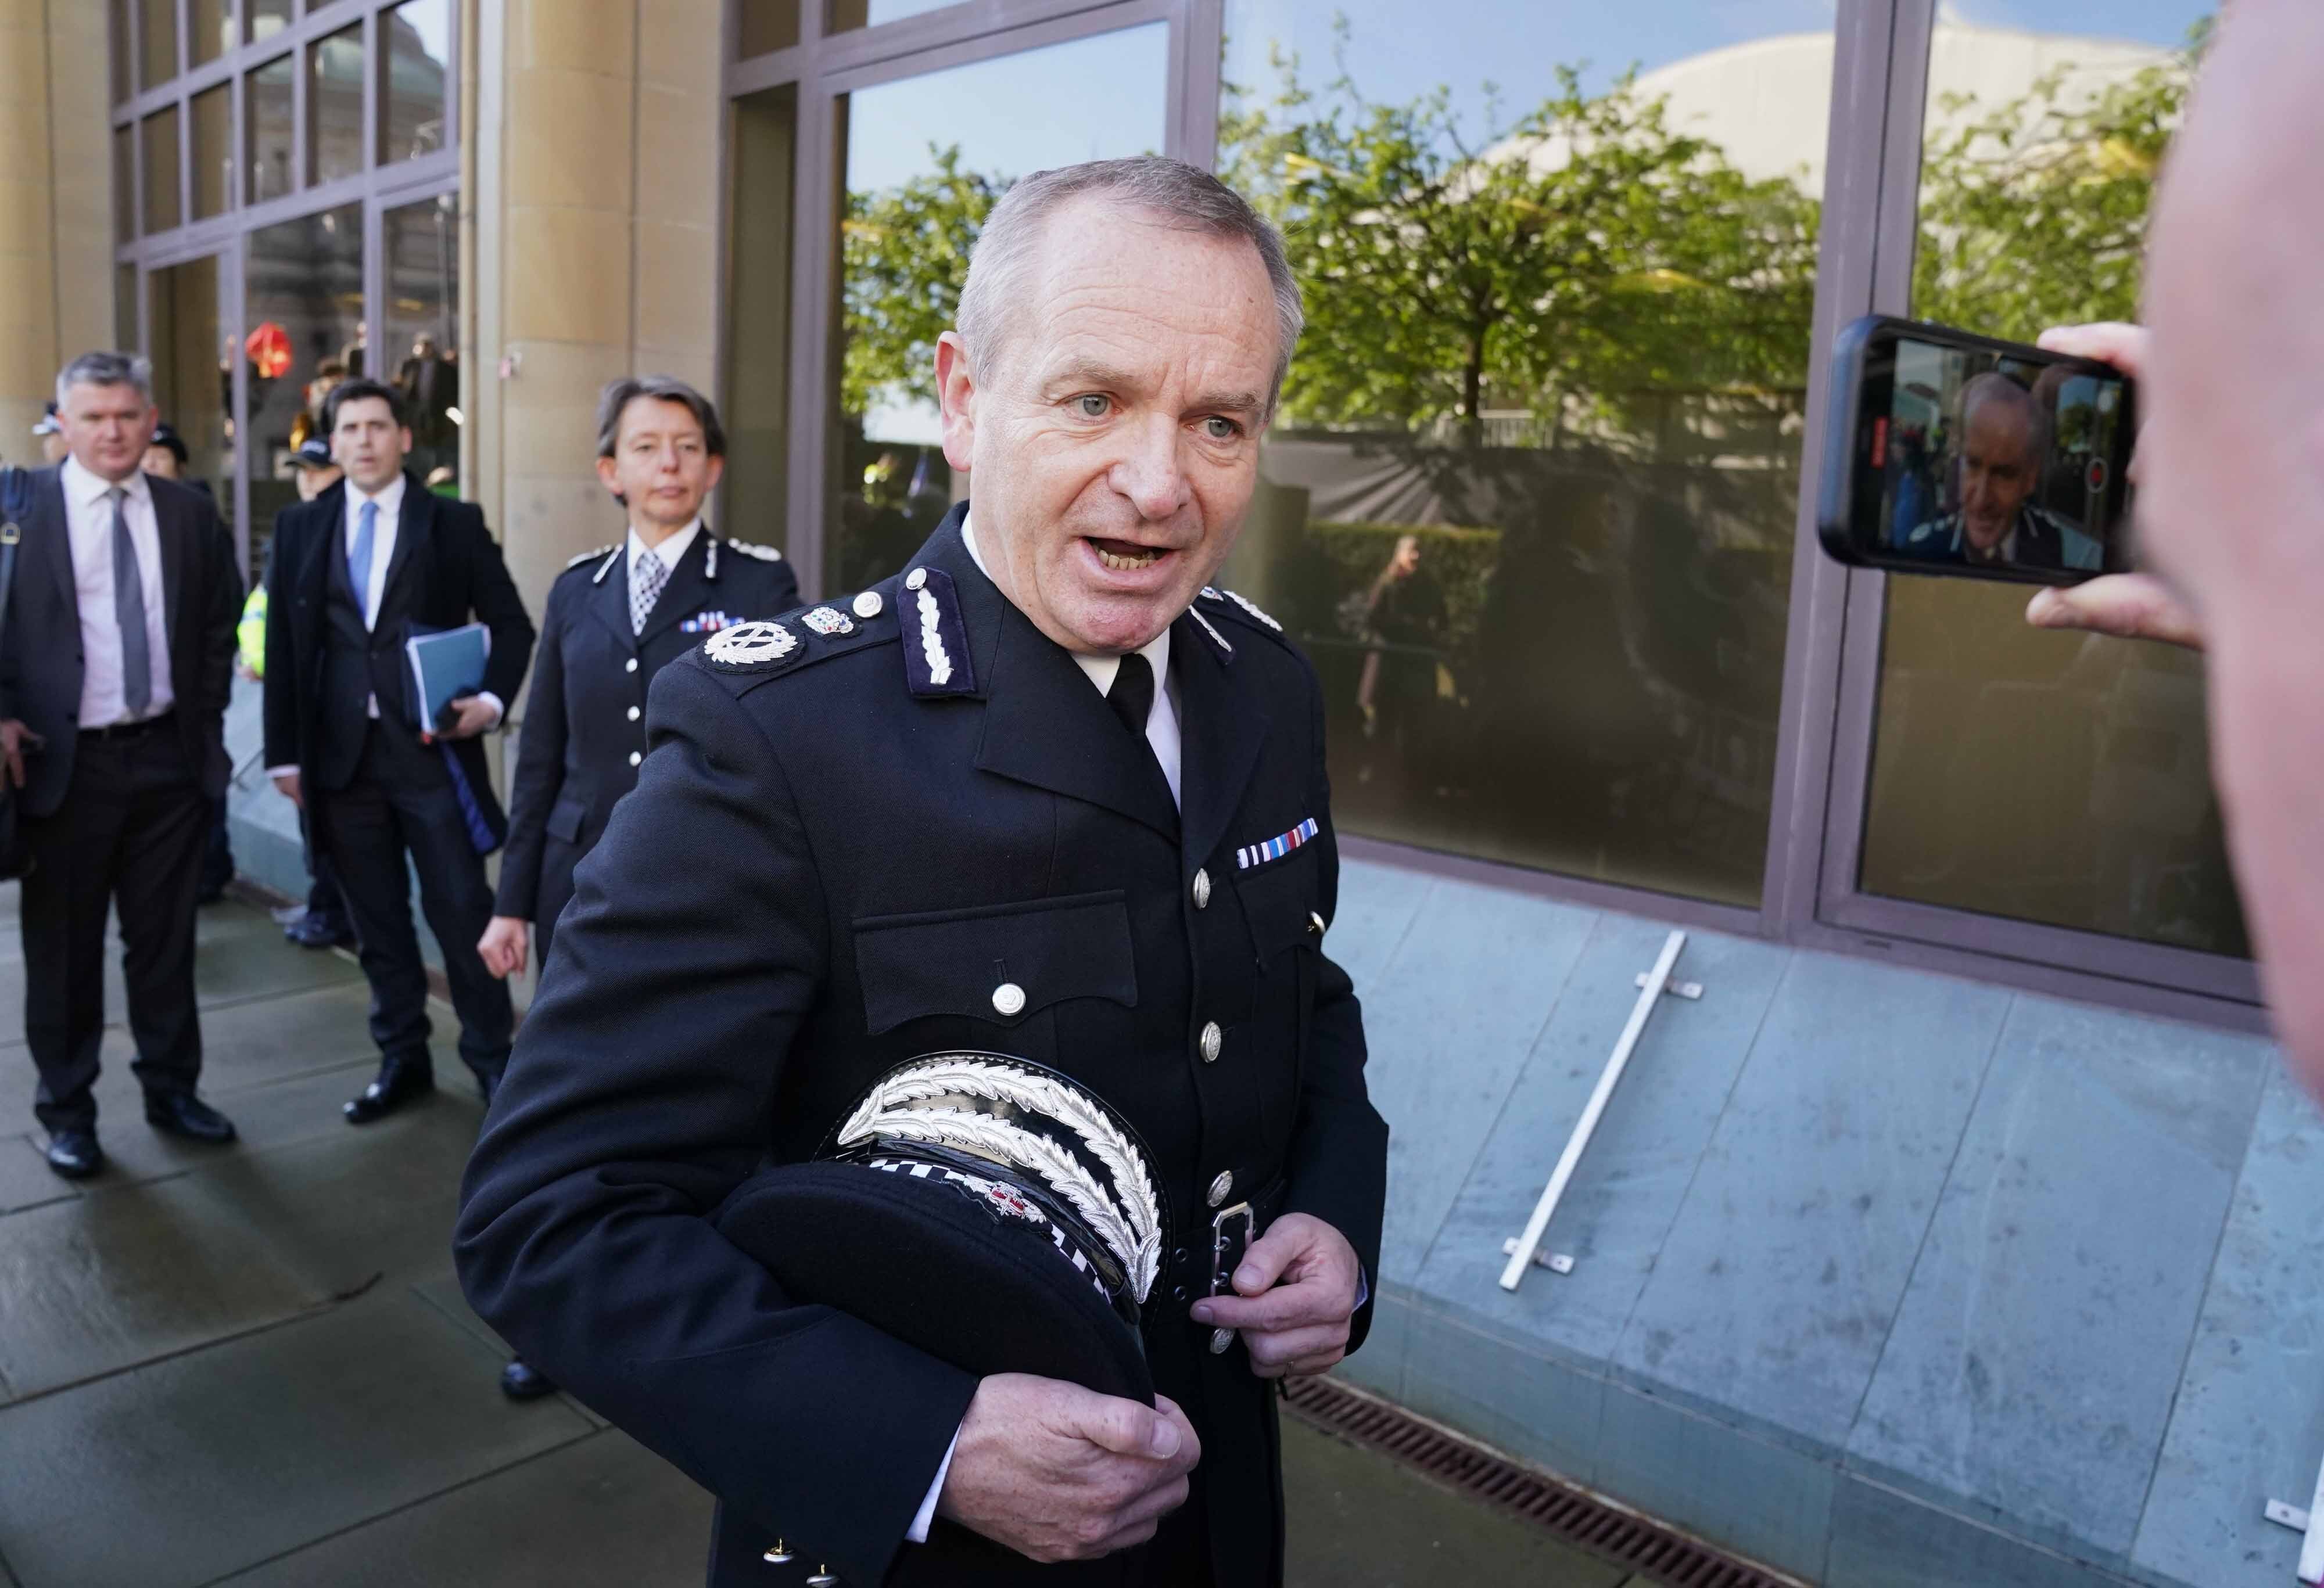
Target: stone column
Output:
[(56, 204), (596, 193)]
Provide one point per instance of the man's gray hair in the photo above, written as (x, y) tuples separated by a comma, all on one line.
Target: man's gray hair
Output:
[(1183, 196), (107, 369), (615, 400), (1993, 384)]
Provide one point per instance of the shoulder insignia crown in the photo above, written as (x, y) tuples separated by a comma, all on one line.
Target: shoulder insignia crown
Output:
[(1244, 601), (765, 554), (591, 557)]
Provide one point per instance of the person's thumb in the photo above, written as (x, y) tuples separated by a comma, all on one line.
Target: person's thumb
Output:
[(1128, 1429), (1268, 1256)]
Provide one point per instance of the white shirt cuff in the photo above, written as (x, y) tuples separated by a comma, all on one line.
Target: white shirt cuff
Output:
[(919, 1533), (281, 771), (498, 711)]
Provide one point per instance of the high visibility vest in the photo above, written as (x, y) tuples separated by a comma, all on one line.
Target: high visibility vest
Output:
[(250, 633)]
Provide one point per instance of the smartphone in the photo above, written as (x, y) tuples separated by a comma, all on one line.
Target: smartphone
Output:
[(1952, 452)]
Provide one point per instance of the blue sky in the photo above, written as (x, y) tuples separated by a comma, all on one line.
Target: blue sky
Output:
[(1103, 96)]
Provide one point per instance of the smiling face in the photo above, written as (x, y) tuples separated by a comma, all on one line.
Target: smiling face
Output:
[(1113, 447)]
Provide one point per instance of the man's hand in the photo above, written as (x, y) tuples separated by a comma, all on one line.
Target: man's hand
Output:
[(1056, 1472), (2129, 606), (1296, 1292), (14, 739), (471, 714), (502, 946), (286, 783)]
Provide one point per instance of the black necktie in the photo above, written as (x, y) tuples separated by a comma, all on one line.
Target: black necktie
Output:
[(1132, 694)]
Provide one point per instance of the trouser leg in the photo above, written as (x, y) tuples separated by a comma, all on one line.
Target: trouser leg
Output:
[(459, 904), (159, 861), (358, 830), (63, 909)]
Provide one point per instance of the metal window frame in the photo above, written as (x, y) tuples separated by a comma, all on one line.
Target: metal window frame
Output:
[(378, 187), (1831, 672)]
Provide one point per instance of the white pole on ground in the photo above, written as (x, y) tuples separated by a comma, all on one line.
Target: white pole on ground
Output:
[(2311, 1548), (1650, 995)]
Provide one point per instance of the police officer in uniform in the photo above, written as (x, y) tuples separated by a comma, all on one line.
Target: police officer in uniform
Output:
[(1045, 793), (615, 616)]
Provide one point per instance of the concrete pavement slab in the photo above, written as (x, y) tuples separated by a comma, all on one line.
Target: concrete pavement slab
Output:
[(25, 1178), (207, 1463)]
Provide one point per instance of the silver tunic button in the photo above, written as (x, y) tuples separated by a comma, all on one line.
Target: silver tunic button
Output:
[(779, 1556), (1213, 1039), (636, 756), (916, 578), (1009, 998), (1201, 890), (867, 605), (1220, 1187), (635, 713), (1315, 923), (630, 665)]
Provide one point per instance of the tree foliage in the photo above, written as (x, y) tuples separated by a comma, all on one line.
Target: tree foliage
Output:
[(904, 256), (2033, 212)]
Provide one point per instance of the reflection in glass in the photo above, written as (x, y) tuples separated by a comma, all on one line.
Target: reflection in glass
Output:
[(756, 403), (158, 51), (2047, 777), (1530, 498), (335, 109), (116, 33), (765, 25), (267, 17), (212, 21), (124, 306), (160, 134), (267, 102), (419, 35), (847, 15), (193, 384), (213, 151), (927, 160), (124, 184), (420, 329), (302, 333)]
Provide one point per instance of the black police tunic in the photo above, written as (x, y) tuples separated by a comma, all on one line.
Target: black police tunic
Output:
[(916, 826), (584, 725)]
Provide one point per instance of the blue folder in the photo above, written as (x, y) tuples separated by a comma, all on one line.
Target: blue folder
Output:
[(445, 662)]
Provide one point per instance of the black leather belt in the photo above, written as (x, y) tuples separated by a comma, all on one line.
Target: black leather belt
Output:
[(1186, 1276), (131, 729)]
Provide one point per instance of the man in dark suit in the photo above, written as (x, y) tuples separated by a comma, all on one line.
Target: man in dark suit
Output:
[(351, 577), (113, 687), (1046, 794), (616, 616)]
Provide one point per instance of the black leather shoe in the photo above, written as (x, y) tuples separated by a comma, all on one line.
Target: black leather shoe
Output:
[(399, 1082), (181, 1113), (316, 929), (520, 1381), (75, 1154)]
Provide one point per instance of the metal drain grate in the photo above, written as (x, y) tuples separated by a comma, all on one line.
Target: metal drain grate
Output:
[(1573, 1514)]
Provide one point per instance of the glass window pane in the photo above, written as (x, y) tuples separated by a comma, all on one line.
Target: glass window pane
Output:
[(267, 17), (926, 159), (124, 184), (305, 329), (158, 57), (213, 30), (766, 26), (335, 95), (160, 137), (190, 380), (1530, 498), (420, 329), (2048, 777), (419, 35), (213, 153), (757, 406), (267, 102), (117, 39), (846, 14), (125, 306)]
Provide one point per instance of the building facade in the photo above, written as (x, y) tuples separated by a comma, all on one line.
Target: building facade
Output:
[(1534, 504)]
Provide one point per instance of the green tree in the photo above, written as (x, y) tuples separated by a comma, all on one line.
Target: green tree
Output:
[(1585, 249), (904, 256), (2033, 212)]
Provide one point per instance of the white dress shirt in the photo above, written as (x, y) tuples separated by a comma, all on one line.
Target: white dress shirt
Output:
[(672, 548), (88, 530)]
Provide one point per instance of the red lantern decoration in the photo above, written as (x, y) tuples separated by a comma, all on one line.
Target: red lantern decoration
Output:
[(269, 348)]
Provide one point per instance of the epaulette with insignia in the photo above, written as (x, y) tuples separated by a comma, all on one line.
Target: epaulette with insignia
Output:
[(748, 653), (1229, 599), (765, 554), (589, 556)]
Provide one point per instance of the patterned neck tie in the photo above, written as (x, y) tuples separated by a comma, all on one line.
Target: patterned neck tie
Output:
[(129, 611), (647, 574), (359, 558)]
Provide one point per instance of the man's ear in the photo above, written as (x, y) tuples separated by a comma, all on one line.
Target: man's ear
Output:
[(956, 391)]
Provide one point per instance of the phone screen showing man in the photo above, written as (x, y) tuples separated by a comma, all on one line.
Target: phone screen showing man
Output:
[(1986, 460)]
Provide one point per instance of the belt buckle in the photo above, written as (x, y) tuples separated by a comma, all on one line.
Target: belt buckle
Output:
[(1221, 1267)]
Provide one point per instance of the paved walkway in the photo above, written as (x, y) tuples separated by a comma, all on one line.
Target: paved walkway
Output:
[(251, 1365)]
